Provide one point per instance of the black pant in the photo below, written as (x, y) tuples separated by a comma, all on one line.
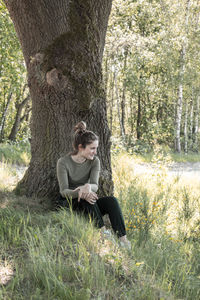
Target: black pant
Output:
[(103, 206)]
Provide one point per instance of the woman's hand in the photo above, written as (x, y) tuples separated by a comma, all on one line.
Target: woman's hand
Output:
[(91, 198), (85, 193)]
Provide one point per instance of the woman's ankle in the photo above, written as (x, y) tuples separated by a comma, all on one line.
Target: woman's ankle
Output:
[(123, 238), (103, 228), (124, 242)]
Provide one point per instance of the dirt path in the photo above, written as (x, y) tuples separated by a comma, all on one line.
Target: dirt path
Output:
[(187, 169)]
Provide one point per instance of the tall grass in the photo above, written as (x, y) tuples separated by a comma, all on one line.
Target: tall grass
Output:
[(15, 153), (162, 214), (60, 255)]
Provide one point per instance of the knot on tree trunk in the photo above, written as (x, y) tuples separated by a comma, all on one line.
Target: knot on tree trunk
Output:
[(34, 68), (56, 79), (38, 58)]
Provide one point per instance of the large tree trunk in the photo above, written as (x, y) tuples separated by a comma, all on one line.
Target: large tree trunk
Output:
[(63, 44)]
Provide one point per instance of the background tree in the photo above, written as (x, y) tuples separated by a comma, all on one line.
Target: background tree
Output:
[(12, 73), (19, 117)]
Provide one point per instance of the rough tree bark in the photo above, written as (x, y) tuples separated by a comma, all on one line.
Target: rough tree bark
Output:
[(62, 43)]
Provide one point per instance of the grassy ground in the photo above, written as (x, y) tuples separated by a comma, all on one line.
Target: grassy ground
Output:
[(58, 255), (15, 153)]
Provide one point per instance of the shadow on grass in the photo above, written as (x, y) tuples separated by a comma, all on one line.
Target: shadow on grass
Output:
[(8, 199)]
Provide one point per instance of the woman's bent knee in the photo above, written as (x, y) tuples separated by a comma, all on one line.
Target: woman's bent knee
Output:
[(113, 200)]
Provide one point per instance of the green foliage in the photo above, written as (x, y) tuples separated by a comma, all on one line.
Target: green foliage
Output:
[(12, 73), (12, 228), (15, 153), (143, 62), (162, 216)]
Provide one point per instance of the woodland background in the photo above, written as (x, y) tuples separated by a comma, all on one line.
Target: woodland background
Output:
[(151, 74)]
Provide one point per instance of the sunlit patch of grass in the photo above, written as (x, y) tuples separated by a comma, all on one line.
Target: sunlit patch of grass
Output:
[(162, 209), (6, 272), (25, 158), (168, 192), (7, 176)]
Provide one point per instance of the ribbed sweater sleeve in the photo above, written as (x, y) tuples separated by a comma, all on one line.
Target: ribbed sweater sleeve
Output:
[(62, 175), (94, 175)]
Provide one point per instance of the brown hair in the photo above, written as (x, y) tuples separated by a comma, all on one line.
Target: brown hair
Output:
[(82, 136)]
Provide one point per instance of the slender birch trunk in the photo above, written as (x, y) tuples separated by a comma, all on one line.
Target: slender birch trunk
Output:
[(186, 129), (111, 101), (123, 102), (118, 106), (18, 119), (179, 104), (131, 115), (180, 88), (138, 117), (191, 124), (4, 115), (123, 110), (196, 125)]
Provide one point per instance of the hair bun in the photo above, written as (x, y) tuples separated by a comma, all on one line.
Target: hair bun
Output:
[(80, 127)]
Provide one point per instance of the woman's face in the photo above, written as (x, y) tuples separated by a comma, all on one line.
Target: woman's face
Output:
[(89, 151)]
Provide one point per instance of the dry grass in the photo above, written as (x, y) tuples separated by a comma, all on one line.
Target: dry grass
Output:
[(6, 273)]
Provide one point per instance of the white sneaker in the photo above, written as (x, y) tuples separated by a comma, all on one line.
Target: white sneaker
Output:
[(107, 233), (125, 245)]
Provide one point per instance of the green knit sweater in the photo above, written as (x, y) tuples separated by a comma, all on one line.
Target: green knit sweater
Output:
[(71, 174)]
